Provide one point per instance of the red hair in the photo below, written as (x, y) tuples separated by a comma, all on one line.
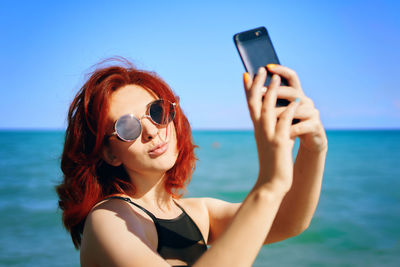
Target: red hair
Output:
[(87, 178)]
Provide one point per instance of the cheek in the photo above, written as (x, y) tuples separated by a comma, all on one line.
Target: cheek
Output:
[(134, 155), (173, 140), (127, 152)]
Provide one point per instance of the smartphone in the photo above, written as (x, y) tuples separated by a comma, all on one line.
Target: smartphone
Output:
[(256, 50)]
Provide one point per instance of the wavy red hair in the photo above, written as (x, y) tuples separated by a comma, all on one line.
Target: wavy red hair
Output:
[(87, 179)]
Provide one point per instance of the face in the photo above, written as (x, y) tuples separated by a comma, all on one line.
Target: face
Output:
[(155, 150)]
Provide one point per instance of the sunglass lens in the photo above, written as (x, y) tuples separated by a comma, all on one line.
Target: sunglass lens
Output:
[(128, 127), (162, 112)]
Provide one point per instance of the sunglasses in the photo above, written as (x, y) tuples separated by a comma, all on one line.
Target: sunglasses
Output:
[(128, 127)]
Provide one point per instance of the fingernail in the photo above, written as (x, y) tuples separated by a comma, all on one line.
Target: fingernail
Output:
[(271, 66), (245, 77), (260, 70), (297, 100)]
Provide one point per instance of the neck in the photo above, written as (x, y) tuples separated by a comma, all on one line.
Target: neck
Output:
[(150, 189)]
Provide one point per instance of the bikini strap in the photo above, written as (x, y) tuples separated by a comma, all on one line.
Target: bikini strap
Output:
[(179, 206), (137, 205)]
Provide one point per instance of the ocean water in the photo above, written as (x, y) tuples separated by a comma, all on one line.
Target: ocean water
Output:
[(356, 222)]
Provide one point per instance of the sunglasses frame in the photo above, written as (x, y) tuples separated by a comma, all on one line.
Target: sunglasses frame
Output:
[(146, 115)]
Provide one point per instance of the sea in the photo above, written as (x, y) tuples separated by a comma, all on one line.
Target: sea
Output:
[(357, 221)]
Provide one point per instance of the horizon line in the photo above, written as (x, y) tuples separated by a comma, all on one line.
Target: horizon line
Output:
[(210, 129)]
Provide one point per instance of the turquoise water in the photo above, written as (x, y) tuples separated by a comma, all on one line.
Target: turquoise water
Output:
[(356, 222)]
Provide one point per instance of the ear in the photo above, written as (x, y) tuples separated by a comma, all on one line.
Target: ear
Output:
[(109, 157)]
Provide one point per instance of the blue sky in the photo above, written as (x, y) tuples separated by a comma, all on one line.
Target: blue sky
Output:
[(345, 52)]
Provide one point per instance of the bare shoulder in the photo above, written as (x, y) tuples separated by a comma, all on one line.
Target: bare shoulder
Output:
[(114, 235), (207, 204), (214, 202), (220, 208), (112, 213), (192, 203)]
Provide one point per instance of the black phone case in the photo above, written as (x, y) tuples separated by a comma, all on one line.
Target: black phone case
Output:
[(256, 50)]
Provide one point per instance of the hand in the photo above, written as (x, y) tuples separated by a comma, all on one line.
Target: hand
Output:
[(309, 129), (273, 137)]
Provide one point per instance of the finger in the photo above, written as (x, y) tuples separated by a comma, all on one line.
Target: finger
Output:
[(285, 120), (289, 74), (289, 93), (259, 79), (254, 94), (247, 81), (268, 115), (301, 128), (302, 112)]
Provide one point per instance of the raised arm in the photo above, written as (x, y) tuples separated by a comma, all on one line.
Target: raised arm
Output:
[(299, 204), (240, 243)]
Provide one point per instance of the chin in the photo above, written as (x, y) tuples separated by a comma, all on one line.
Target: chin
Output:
[(167, 162)]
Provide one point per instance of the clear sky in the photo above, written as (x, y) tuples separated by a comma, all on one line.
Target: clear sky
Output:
[(345, 52)]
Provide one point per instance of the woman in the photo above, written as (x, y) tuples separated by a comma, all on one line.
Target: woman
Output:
[(129, 154)]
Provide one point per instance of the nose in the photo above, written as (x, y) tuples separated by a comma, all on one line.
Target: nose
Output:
[(149, 130)]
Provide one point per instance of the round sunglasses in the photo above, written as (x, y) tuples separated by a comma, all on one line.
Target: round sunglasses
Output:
[(128, 127)]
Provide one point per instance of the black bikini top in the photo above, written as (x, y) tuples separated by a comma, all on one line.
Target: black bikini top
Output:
[(178, 238)]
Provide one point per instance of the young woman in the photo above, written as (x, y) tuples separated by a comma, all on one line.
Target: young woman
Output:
[(129, 153)]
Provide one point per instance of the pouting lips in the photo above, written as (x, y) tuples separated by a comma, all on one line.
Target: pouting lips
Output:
[(158, 150)]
